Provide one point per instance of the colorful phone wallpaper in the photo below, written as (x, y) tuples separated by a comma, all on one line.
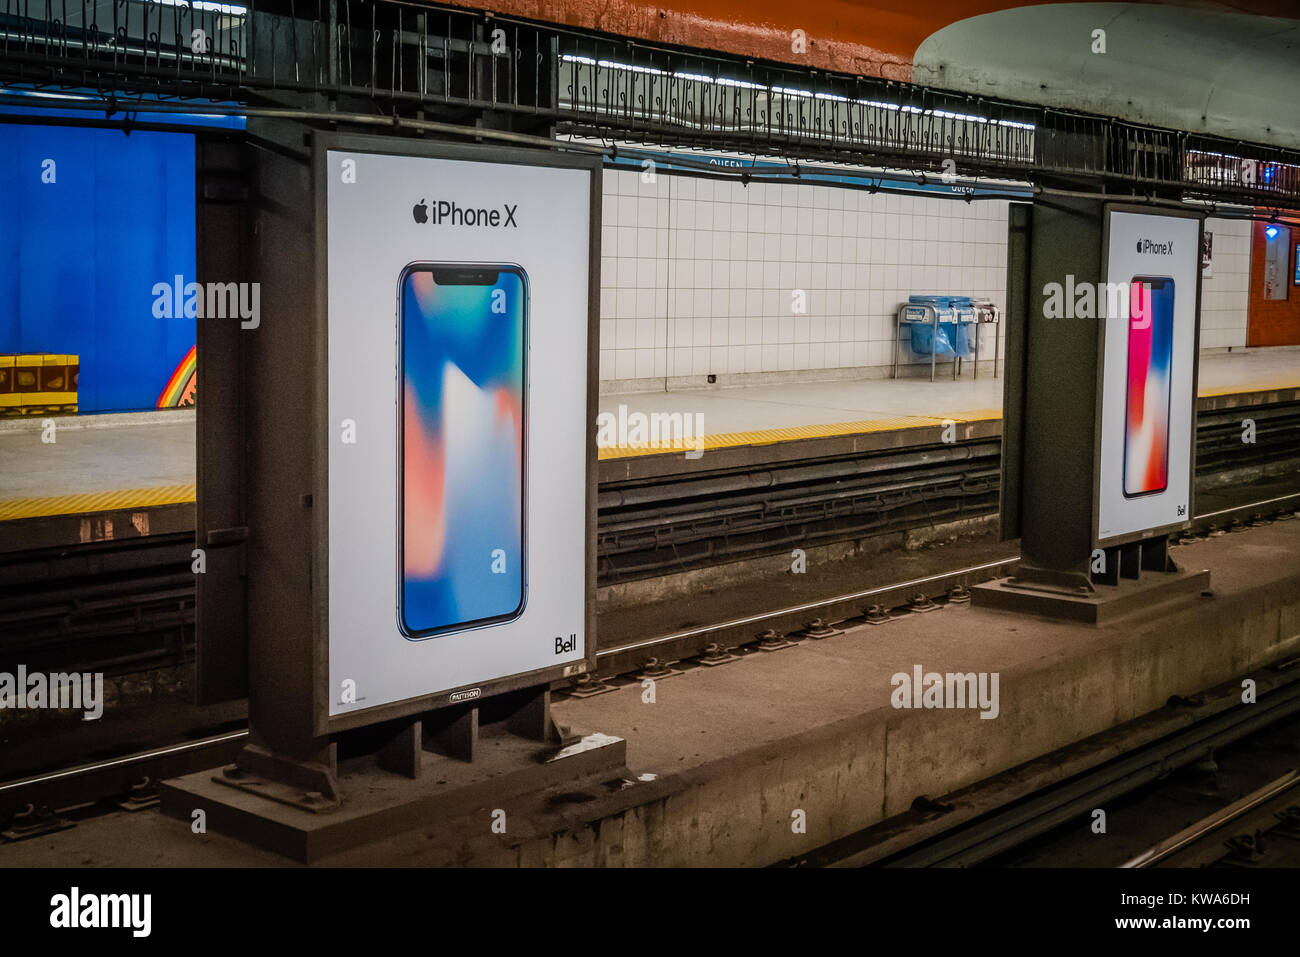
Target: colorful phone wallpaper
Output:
[(462, 442), (1150, 352)]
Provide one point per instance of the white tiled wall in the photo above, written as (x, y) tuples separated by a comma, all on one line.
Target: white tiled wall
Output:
[(698, 276), (1225, 295)]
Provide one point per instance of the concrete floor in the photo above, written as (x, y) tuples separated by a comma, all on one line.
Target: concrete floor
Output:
[(96, 453), (759, 408), (1248, 371)]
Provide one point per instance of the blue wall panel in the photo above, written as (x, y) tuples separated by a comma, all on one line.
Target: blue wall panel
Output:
[(79, 256)]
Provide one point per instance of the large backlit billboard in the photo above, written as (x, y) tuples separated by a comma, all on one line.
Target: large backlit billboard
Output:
[(460, 388), (1148, 390)]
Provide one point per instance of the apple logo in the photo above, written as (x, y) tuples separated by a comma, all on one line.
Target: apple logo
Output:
[(420, 211), (1139, 245)]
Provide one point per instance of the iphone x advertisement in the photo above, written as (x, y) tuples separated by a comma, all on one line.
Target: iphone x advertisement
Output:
[(1147, 400), (462, 446), (1150, 349), (459, 532)]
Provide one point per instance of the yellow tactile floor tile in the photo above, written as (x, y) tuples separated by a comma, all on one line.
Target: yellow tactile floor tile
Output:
[(726, 440), (1254, 387), (15, 508)]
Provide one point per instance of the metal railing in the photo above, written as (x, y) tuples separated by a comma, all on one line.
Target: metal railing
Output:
[(402, 58), (168, 45), (777, 111)]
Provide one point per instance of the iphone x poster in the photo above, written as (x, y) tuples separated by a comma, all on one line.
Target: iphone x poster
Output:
[(1148, 393), (458, 307)]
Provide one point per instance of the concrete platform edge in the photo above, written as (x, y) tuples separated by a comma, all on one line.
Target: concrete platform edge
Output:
[(740, 807)]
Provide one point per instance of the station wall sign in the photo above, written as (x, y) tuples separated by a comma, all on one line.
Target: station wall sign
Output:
[(461, 334), (1147, 397)]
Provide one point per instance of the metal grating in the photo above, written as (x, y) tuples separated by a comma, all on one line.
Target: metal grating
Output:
[(399, 58), (780, 112)]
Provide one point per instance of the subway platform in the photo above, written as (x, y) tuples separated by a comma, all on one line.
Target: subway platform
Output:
[(101, 478), (121, 475), (763, 414)]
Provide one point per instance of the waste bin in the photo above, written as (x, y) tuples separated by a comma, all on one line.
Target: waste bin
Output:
[(939, 326), (927, 338)]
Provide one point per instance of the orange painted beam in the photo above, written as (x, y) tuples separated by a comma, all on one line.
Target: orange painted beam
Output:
[(865, 37)]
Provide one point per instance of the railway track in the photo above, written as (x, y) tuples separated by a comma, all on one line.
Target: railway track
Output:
[(34, 804), (128, 605), (993, 822), (660, 524), (1260, 829)]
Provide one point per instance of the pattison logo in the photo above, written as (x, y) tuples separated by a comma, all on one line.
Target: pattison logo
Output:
[(1155, 249), (444, 212)]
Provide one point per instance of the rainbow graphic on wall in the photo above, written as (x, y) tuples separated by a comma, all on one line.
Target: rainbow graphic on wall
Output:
[(179, 392)]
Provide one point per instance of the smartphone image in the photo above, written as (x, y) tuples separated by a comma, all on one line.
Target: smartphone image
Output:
[(1150, 353), (462, 346)]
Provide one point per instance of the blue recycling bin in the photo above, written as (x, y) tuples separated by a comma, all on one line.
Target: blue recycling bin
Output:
[(925, 340), (942, 303), (939, 326), (966, 339), (943, 326)]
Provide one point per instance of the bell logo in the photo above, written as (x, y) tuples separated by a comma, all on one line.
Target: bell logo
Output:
[(565, 645)]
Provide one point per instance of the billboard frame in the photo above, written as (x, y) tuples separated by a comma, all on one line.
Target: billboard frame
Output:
[(321, 143), (1146, 534)]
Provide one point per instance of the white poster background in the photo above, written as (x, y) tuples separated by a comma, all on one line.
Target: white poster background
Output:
[(371, 235), (1118, 515)]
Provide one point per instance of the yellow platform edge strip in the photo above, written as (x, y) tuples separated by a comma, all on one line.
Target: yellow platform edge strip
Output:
[(16, 508), (1254, 388), (727, 440)]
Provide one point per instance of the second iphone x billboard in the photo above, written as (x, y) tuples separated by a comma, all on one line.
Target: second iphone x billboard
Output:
[(1148, 394), (459, 307)]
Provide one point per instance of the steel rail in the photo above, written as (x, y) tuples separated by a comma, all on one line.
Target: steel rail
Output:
[(1017, 823), (1207, 825), (1246, 508), (802, 608), (124, 761)]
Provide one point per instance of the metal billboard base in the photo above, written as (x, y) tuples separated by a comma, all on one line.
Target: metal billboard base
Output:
[(410, 774), (1092, 604)]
